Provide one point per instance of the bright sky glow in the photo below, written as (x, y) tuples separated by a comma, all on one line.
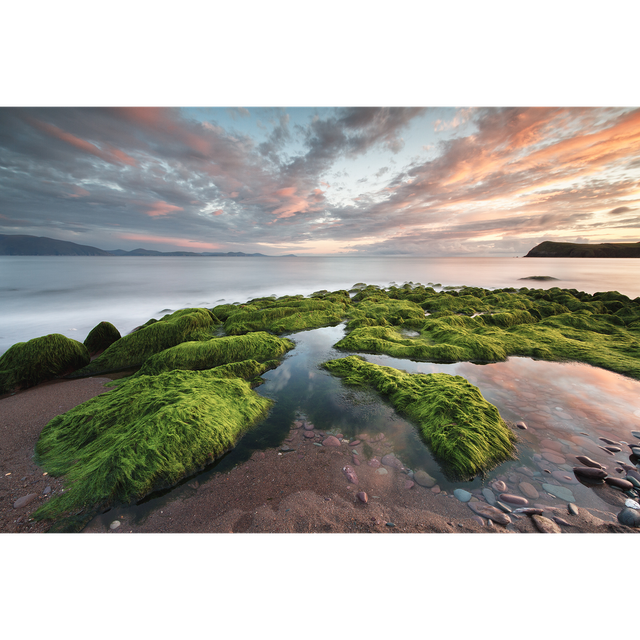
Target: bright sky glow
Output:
[(422, 181)]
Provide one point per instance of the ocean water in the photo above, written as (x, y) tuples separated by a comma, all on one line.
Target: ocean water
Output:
[(70, 295)]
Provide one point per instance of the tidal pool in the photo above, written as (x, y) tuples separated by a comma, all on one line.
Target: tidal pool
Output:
[(567, 407)]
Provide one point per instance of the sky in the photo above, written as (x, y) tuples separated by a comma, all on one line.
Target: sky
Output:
[(322, 181)]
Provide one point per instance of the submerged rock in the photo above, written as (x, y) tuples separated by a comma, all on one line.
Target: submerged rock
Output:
[(424, 479), (462, 495), (331, 441), (350, 474), (489, 512), (559, 492), (590, 473)]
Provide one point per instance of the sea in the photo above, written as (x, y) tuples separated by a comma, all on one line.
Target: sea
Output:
[(72, 294), (570, 408)]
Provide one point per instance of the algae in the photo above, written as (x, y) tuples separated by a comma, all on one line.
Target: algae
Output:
[(26, 364), (479, 325), (462, 429), (133, 349), (145, 434), (100, 337), (211, 353)]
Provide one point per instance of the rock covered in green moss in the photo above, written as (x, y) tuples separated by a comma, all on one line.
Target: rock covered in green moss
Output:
[(285, 314), (145, 434), (133, 349), (100, 337), (260, 346), (26, 364), (461, 428)]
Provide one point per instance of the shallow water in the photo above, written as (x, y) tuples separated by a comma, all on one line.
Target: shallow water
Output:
[(566, 406)]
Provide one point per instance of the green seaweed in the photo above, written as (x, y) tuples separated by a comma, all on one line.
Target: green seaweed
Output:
[(286, 314), (460, 427), (555, 324), (26, 364), (100, 337), (133, 349), (145, 434), (211, 353)]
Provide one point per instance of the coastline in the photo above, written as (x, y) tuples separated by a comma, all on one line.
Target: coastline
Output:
[(299, 491)]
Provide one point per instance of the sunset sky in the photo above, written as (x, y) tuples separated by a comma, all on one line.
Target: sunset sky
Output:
[(382, 181)]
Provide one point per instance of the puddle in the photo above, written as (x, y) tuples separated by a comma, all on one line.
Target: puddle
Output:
[(567, 407)]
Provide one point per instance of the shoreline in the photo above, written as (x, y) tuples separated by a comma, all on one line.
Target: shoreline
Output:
[(302, 489)]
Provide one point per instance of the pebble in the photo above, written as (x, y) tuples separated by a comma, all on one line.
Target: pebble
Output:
[(559, 492), (297, 424), (436, 489), (499, 486), (391, 461), (588, 462), (544, 525), (632, 504), (390, 524), (424, 479), (382, 471), (308, 434), (503, 507), (350, 474), (47, 490), (590, 473), (114, 525), (309, 426), (572, 509), (25, 500), (374, 462), (286, 448), (613, 449), (489, 512), (331, 441), (625, 485), (607, 441), (553, 457), (318, 444), (562, 476), (525, 471), (633, 480), (355, 460), (479, 520), (489, 496), (511, 499), (362, 496), (629, 517), (354, 443), (521, 425), (408, 484), (462, 495), (528, 490)]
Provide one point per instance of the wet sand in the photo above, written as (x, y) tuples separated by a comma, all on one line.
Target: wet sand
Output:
[(305, 490)]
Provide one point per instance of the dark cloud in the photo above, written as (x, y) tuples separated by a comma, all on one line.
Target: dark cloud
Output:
[(618, 210)]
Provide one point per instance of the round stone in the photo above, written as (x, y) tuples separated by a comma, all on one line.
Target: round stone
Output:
[(629, 517), (390, 460), (499, 486), (559, 492), (309, 426), (489, 496), (462, 495), (362, 496), (619, 483), (632, 504), (24, 501), (114, 525), (521, 425), (408, 484), (588, 462), (436, 489), (382, 471), (331, 441), (544, 525), (553, 457), (308, 434), (423, 478), (374, 462), (529, 490)]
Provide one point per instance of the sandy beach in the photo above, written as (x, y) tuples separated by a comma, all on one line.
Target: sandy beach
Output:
[(306, 485)]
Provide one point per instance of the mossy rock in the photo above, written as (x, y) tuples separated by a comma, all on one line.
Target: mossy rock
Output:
[(145, 434), (133, 349), (260, 346), (100, 337), (462, 429), (26, 364)]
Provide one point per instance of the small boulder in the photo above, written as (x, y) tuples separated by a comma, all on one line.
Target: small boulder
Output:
[(544, 525), (331, 441), (424, 479), (629, 517)]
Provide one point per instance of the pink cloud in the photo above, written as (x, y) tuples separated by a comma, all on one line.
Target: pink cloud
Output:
[(162, 208), (109, 154), (219, 212)]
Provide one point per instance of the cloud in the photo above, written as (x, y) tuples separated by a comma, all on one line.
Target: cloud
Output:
[(618, 210), (161, 208)]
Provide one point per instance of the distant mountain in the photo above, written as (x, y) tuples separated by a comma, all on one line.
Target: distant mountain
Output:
[(572, 250), (36, 246)]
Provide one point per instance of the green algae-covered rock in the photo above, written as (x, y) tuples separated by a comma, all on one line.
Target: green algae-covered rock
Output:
[(133, 349), (207, 354), (145, 434), (26, 364), (100, 337), (461, 428), (288, 313)]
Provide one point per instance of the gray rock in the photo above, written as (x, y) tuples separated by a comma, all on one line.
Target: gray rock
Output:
[(559, 492), (629, 517), (489, 496), (331, 441), (635, 451), (423, 478), (390, 460), (632, 504), (588, 462), (309, 426), (511, 499), (47, 490), (529, 490), (572, 509), (114, 525), (462, 495), (635, 482), (503, 507), (24, 501), (566, 477), (382, 471)]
